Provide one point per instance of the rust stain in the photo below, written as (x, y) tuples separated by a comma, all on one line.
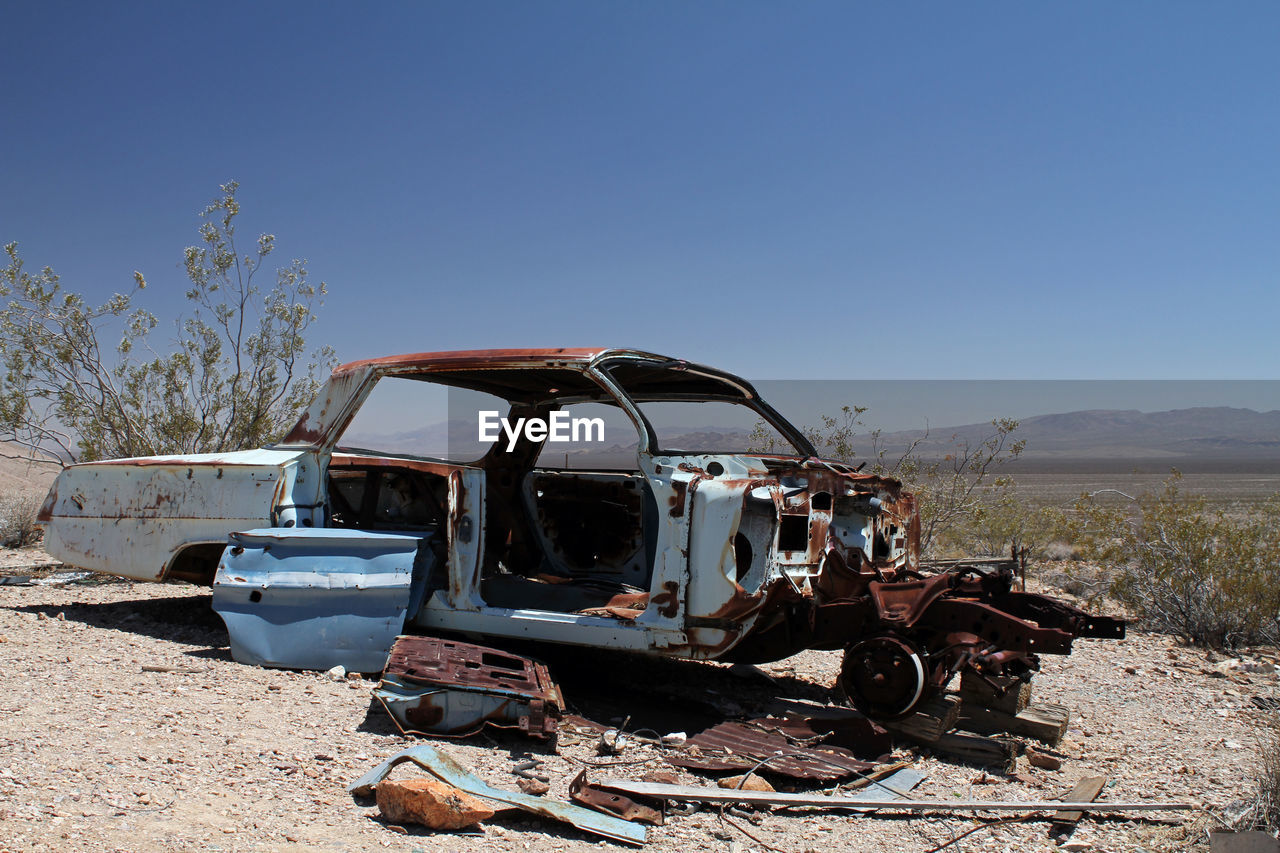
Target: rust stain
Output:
[(668, 601)]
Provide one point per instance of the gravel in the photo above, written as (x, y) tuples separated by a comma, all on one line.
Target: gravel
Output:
[(197, 752)]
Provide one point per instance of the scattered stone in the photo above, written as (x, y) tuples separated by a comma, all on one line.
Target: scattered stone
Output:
[(532, 786), (1043, 760), (752, 783), (431, 803), (1076, 844), (337, 673), (662, 777)]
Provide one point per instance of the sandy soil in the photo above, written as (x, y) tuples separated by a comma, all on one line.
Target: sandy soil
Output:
[(98, 754), (21, 472)]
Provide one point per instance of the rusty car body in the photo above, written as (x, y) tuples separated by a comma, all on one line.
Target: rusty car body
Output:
[(704, 553)]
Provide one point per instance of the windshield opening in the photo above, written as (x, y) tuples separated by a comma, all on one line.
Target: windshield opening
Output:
[(696, 410)]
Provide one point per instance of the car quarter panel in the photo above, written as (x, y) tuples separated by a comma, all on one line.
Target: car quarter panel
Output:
[(130, 517)]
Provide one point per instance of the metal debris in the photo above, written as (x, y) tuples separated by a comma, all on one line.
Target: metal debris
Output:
[(742, 746), (612, 801), (445, 687), (315, 598), (447, 770), (871, 799)]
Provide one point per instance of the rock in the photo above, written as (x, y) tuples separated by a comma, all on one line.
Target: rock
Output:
[(753, 783), (1075, 844), (1043, 760), (533, 786), (338, 673), (431, 803), (612, 742), (662, 777)]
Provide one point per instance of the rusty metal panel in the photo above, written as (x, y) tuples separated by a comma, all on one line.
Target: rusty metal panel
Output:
[(315, 598), (741, 746), (444, 687), (612, 801)]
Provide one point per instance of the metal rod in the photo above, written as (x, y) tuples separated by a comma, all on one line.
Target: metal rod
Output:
[(718, 795)]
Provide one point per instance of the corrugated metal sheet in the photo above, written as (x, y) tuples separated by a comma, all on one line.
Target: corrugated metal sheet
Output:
[(741, 746)]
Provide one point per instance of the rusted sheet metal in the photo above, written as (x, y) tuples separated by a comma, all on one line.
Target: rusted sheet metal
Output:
[(852, 731), (317, 598), (444, 687), (741, 746), (447, 770), (612, 801)]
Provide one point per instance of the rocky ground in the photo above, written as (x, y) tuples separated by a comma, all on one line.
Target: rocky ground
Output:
[(98, 751)]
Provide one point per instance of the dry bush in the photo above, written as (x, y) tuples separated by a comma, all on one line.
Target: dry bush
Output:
[(1189, 568), (1058, 552), (1266, 804), (18, 520)]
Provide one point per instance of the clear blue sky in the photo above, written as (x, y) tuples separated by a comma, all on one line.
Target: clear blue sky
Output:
[(807, 190)]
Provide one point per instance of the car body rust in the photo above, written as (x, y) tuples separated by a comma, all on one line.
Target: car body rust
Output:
[(728, 553)]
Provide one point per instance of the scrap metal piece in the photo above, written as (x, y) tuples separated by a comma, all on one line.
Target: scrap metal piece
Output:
[(868, 799), (447, 770), (896, 786), (611, 801), (741, 746), (444, 687), (313, 598)]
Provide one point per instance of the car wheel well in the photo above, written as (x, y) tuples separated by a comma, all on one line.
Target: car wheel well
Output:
[(196, 563)]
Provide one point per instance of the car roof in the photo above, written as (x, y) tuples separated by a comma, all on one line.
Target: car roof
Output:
[(462, 359)]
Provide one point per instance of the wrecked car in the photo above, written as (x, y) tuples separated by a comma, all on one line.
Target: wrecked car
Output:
[(575, 496)]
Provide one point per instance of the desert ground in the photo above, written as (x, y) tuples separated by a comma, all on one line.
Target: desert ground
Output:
[(100, 752), (127, 726)]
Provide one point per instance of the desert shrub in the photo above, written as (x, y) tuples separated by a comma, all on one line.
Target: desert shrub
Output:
[(1006, 520), (1059, 551), (1186, 567), (18, 520), (1266, 783), (237, 375)]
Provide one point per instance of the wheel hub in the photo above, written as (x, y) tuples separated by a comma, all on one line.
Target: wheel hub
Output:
[(884, 677)]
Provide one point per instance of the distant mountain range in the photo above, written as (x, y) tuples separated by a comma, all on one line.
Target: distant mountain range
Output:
[(1219, 433)]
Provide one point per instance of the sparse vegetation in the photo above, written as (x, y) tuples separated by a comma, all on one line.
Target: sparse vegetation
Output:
[(235, 375), (1266, 800), (18, 519), (1184, 567)]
